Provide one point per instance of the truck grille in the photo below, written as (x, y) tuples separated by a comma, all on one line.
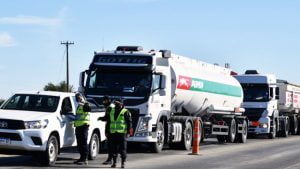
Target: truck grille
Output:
[(11, 136), (11, 124), (135, 114), (253, 114)]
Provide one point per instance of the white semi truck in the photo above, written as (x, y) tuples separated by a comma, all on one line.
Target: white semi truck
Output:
[(272, 105), (164, 92)]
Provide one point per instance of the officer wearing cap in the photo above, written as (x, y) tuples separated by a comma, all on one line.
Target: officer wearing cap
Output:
[(108, 105), (120, 123), (81, 124)]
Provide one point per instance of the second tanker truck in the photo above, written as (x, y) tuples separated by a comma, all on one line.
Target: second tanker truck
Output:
[(272, 105), (164, 92)]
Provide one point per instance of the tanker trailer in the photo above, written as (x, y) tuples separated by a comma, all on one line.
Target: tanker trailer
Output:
[(165, 92)]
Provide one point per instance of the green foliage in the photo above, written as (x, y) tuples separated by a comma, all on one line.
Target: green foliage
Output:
[(61, 87)]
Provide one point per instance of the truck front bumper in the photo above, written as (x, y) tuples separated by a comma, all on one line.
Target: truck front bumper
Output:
[(143, 137), (27, 140), (258, 130)]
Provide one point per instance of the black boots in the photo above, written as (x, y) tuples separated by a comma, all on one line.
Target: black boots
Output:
[(107, 162), (114, 162)]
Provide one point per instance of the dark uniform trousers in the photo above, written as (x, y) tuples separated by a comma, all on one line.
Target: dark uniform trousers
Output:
[(118, 145), (81, 137)]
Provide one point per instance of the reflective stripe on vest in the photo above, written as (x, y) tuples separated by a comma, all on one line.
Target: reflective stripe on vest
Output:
[(119, 125), (84, 117)]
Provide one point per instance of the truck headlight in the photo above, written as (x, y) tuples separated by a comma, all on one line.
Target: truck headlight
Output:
[(263, 125), (36, 124), (144, 124)]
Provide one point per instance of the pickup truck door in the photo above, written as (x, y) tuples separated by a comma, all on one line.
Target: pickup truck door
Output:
[(68, 129)]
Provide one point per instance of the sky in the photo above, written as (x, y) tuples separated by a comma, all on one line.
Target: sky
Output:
[(253, 34)]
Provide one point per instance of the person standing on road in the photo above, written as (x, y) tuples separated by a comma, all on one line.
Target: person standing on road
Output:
[(108, 106), (81, 124), (120, 126)]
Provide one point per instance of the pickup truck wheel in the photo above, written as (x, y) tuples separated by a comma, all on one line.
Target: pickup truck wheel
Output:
[(160, 135), (49, 156), (94, 146), (232, 131)]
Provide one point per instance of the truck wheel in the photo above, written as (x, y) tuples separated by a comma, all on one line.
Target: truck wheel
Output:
[(49, 156), (94, 146), (187, 136), (232, 131), (242, 137), (160, 135), (221, 139), (298, 124), (272, 133), (294, 125), (285, 130)]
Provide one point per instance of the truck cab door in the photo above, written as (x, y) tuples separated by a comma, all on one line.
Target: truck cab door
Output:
[(68, 129)]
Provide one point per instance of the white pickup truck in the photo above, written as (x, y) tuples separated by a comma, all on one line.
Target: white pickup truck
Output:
[(37, 122)]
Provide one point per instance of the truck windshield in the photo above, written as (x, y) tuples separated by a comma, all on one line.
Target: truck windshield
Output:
[(120, 83), (30, 102), (256, 92)]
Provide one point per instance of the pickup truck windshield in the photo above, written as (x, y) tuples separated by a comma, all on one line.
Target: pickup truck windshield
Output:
[(30, 102)]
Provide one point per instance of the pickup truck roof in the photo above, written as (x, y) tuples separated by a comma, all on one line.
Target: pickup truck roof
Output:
[(51, 93)]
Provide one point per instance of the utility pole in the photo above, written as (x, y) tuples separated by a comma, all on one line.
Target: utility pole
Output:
[(67, 43)]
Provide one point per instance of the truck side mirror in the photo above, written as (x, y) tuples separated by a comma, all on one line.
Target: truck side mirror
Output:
[(162, 82), (162, 92), (277, 93), (81, 81)]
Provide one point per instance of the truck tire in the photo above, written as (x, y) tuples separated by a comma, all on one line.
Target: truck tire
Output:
[(272, 133), (298, 125), (221, 139), (160, 134), (232, 131), (242, 137), (94, 146), (294, 125), (285, 129), (48, 157), (187, 136)]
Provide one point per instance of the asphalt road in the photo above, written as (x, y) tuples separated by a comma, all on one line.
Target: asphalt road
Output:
[(259, 153)]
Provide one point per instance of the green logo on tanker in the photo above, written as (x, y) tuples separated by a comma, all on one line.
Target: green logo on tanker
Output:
[(194, 84)]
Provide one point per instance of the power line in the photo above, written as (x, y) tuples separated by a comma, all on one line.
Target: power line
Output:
[(67, 43)]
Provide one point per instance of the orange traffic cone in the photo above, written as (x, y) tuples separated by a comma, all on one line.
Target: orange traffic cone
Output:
[(196, 148)]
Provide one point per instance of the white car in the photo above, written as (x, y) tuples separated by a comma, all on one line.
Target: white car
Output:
[(37, 122)]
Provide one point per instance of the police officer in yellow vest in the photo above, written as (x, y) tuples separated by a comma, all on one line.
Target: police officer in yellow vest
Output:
[(82, 123), (120, 123), (108, 105)]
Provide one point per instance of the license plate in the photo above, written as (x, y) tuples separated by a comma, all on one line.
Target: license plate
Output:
[(4, 141)]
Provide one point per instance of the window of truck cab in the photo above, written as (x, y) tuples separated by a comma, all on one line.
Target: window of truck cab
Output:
[(120, 83), (32, 102)]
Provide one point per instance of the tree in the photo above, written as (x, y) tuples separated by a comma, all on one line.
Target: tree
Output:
[(61, 87)]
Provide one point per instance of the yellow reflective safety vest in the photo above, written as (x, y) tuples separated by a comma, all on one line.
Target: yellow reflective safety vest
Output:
[(119, 125), (84, 117)]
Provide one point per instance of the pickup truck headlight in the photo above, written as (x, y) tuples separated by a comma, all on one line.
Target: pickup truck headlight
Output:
[(36, 124), (144, 124)]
